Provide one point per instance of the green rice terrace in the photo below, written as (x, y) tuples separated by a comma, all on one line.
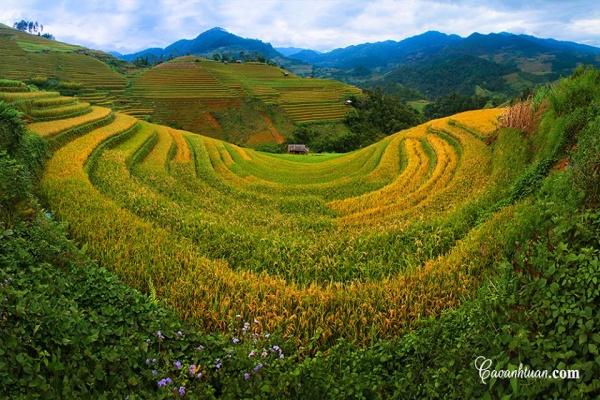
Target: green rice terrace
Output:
[(250, 103)]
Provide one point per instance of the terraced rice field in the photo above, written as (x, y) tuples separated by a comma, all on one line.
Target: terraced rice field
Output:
[(179, 80), (207, 97), (26, 56), (357, 245), (303, 99), (208, 84)]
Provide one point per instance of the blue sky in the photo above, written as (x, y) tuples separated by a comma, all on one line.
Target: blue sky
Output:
[(132, 25)]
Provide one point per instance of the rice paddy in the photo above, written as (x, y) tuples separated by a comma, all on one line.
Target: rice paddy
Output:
[(248, 103), (358, 245)]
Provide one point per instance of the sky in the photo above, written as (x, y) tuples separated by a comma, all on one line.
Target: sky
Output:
[(127, 26)]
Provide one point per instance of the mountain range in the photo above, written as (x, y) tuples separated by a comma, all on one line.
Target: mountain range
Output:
[(215, 40), (432, 63)]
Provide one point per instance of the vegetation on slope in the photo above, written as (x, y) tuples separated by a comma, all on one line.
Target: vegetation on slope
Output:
[(249, 103), (524, 247), (436, 64), (372, 117)]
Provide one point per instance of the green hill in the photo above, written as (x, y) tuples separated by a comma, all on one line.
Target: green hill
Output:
[(249, 103), (243, 103)]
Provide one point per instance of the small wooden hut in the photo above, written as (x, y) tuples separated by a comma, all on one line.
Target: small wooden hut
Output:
[(297, 149)]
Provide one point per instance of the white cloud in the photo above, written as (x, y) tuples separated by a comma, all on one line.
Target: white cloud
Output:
[(131, 25)]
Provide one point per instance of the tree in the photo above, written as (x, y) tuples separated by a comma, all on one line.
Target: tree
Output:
[(31, 27), (141, 61), (379, 114), (453, 103)]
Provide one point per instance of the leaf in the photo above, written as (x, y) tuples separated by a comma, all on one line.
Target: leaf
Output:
[(514, 384)]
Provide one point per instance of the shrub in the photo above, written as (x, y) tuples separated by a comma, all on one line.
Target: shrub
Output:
[(522, 116)]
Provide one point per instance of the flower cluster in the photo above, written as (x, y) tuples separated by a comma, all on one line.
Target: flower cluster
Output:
[(183, 372), (164, 382)]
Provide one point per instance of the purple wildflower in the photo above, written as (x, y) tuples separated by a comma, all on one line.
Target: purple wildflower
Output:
[(258, 367), (235, 340), (199, 376), (251, 354), (246, 376), (177, 364), (164, 382), (181, 391), (159, 335), (218, 363), (192, 370)]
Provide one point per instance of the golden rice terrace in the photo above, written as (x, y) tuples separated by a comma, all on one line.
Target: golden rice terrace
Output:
[(356, 245)]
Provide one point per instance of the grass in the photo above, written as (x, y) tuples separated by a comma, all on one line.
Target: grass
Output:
[(418, 105)]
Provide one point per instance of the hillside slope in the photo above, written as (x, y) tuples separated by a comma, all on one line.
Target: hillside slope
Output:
[(502, 63), (237, 102), (250, 103), (444, 242)]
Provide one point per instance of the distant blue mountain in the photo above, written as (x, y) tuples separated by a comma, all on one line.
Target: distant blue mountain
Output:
[(211, 41), (381, 54), (433, 63), (290, 51), (508, 46)]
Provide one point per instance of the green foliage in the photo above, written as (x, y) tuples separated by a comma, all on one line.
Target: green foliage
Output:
[(270, 148), (10, 83), (457, 73), (586, 162), (15, 182), (401, 92), (325, 137), (579, 90), (453, 103), (21, 161), (11, 127), (380, 114), (373, 117)]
